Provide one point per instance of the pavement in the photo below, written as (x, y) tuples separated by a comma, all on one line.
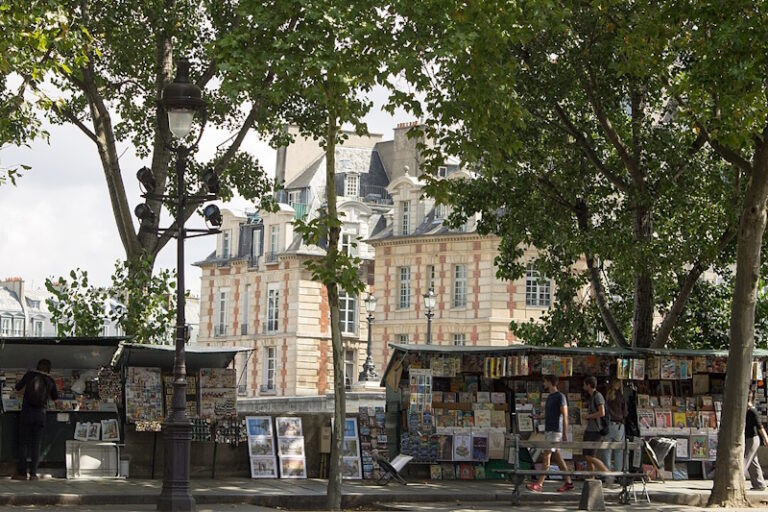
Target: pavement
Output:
[(309, 494)]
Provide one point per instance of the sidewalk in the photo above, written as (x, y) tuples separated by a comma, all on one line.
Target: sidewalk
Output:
[(310, 494)]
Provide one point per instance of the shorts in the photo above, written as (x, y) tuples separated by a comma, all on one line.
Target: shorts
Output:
[(554, 438), (591, 436)]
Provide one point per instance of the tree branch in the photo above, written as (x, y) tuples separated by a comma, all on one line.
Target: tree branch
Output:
[(589, 151), (670, 319), (608, 129)]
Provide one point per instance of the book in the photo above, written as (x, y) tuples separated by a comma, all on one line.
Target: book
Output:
[(524, 422), (646, 419), (496, 445), (479, 472), (679, 420), (483, 397), (681, 448), (699, 449), (638, 369), (498, 398), (479, 447), (666, 402), (435, 472), (663, 418), (705, 403), (669, 369), (466, 472), (462, 447), (444, 447), (483, 418), (712, 446), (700, 384), (708, 419), (499, 419), (692, 419), (449, 471), (622, 369)]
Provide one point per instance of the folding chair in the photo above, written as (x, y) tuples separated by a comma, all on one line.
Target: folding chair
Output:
[(393, 469)]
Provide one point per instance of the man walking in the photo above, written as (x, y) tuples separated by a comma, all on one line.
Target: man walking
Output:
[(595, 411), (555, 432), (753, 432), (38, 388)]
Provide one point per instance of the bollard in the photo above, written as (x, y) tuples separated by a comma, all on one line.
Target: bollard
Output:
[(592, 495)]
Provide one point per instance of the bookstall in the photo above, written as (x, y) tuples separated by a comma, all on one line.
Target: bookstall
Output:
[(450, 407), (87, 412), (211, 394)]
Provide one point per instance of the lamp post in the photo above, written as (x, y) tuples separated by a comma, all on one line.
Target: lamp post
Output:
[(181, 100), (429, 305), (369, 369)]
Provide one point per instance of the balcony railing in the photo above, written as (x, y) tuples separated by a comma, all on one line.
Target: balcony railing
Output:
[(270, 257), (243, 329), (220, 330)]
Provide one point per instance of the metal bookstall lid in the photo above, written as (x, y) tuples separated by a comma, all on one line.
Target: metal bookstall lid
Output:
[(161, 356), (64, 353)]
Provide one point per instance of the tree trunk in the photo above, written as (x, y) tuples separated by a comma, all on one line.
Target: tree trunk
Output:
[(728, 489), (642, 322), (339, 390)]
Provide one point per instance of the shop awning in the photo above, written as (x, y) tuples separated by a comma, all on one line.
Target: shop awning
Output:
[(75, 353), (161, 356)]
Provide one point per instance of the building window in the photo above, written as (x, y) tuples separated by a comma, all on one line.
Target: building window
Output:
[(404, 301), (270, 368), (349, 367), (105, 330), (242, 381), (405, 226), (459, 339), (431, 277), (347, 243), (119, 330), (18, 327), (225, 244), (222, 313), (439, 211), (294, 197), (537, 288), (352, 185), (246, 307), (5, 327), (274, 241), (273, 308), (37, 328), (256, 243), (459, 286), (442, 171), (403, 339), (348, 312), (34, 304)]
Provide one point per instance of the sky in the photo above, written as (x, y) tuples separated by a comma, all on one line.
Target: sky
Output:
[(58, 217)]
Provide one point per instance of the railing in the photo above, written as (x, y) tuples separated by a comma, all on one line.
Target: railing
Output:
[(270, 257), (220, 330), (375, 194), (301, 210), (253, 262)]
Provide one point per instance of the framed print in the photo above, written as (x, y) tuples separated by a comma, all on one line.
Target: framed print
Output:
[(350, 468), (291, 447), (289, 427), (110, 430), (350, 427), (292, 467), (263, 467), (94, 431), (81, 431), (260, 446), (259, 425)]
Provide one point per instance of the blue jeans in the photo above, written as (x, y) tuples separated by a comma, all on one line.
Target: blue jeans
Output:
[(615, 434)]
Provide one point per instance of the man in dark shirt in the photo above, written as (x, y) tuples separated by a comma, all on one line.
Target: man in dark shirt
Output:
[(555, 431), (753, 432), (38, 388)]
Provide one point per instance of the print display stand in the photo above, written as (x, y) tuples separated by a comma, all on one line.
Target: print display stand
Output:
[(261, 447), (351, 467), (290, 447)]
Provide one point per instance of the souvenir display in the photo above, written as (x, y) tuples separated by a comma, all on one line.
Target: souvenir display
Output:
[(230, 431), (191, 394), (373, 440), (143, 395), (201, 429), (217, 392)]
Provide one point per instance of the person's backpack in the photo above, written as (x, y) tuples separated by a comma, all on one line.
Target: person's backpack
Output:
[(602, 422), (39, 391)]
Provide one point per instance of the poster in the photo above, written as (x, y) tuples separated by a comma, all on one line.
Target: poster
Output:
[(143, 395), (698, 447), (462, 447), (261, 446), (293, 467), (110, 430)]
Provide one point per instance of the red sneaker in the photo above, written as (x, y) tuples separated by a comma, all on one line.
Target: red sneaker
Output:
[(567, 486), (535, 487)]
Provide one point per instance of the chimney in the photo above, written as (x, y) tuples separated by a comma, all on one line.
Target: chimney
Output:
[(16, 285)]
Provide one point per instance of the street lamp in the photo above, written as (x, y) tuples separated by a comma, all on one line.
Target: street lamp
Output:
[(369, 370), (181, 100), (429, 305)]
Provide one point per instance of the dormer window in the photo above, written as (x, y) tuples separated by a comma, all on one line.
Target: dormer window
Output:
[(294, 197), (439, 211), (405, 225), (225, 245), (442, 171), (352, 185)]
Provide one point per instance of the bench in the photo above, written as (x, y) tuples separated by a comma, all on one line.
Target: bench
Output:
[(626, 478)]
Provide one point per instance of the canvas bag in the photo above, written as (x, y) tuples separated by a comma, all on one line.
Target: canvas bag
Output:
[(602, 423)]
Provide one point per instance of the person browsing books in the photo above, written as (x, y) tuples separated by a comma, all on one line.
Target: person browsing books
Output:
[(555, 432), (617, 413), (595, 411), (38, 388), (752, 433)]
